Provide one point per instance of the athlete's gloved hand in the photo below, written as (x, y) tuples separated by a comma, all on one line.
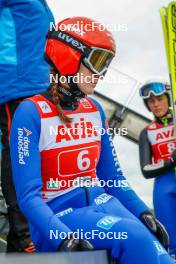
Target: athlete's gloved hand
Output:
[(72, 244), (156, 228)]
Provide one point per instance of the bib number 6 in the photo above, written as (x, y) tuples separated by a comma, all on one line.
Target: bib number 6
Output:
[(83, 160)]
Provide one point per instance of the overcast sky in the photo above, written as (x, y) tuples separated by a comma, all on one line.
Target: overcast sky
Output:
[(140, 54)]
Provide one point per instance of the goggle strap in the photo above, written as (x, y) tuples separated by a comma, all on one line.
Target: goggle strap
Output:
[(71, 41)]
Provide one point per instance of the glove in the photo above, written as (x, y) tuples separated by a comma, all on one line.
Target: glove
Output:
[(72, 244), (156, 228)]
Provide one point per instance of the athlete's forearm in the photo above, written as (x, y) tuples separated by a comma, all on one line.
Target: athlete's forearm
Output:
[(153, 170)]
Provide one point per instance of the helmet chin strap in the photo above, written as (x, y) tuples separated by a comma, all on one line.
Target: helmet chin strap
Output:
[(70, 98)]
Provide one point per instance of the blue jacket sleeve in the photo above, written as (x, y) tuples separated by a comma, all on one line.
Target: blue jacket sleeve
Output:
[(108, 169), (23, 28), (26, 166)]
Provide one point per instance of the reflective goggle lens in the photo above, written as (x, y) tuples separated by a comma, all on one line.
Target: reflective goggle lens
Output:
[(100, 59)]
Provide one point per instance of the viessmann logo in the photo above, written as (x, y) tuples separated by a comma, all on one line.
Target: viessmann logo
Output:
[(23, 144)]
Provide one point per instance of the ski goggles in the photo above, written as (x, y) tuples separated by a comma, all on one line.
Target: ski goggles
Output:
[(98, 60), (152, 88)]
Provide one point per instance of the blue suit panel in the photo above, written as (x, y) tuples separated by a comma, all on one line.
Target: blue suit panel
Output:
[(23, 27)]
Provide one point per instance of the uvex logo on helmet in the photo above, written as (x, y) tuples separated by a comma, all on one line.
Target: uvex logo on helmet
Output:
[(72, 41)]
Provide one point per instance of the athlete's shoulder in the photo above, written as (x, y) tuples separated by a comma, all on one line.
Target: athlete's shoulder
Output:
[(143, 136), (26, 110), (96, 103), (27, 105), (101, 111), (27, 119), (152, 125)]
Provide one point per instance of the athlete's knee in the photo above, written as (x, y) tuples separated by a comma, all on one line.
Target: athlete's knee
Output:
[(135, 232), (137, 236)]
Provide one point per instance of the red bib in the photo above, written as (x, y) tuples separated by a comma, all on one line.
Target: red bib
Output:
[(68, 152), (162, 140)]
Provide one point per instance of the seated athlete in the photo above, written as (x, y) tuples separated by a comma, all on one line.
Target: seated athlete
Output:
[(49, 158)]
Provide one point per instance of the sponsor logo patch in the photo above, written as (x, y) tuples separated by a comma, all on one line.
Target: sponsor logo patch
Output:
[(53, 184), (108, 221), (44, 107), (70, 40), (103, 198), (23, 144), (65, 212), (85, 103), (76, 131), (167, 134), (152, 126)]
